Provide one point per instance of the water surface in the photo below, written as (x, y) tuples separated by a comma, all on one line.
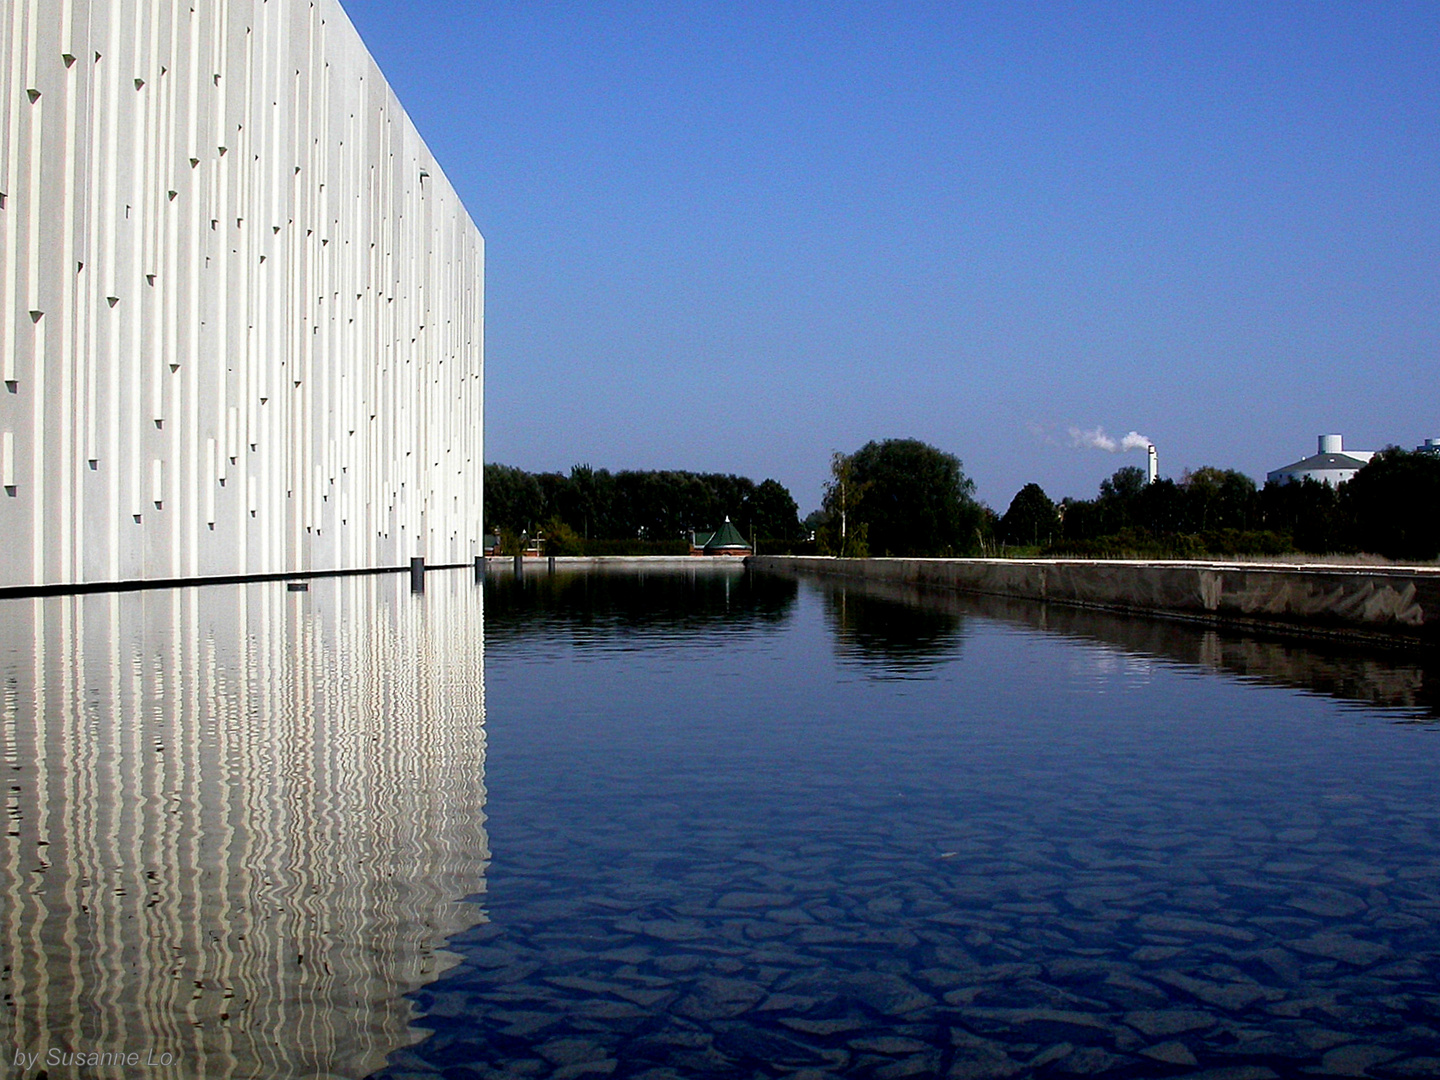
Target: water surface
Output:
[(759, 827), (238, 822), (703, 824)]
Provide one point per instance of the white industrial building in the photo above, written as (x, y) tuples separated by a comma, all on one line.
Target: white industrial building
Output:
[(1332, 464), (241, 308)]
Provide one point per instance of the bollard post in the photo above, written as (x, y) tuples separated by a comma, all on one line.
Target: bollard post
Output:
[(417, 574)]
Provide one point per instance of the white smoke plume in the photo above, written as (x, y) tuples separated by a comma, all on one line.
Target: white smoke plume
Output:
[(1096, 439)]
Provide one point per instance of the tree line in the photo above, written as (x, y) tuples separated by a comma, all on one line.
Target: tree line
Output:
[(1391, 507), (595, 511), (903, 497)]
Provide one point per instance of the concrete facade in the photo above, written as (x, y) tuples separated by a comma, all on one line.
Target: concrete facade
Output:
[(241, 308)]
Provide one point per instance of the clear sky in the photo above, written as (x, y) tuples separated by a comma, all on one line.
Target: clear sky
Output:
[(734, 236)]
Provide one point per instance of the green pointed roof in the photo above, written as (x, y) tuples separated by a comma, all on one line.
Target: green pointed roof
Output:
[(727, 536)]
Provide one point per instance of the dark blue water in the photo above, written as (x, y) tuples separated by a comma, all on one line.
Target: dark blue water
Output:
[(749, 827)]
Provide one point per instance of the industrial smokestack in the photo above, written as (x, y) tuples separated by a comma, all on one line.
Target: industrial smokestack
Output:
[(1154, 462)]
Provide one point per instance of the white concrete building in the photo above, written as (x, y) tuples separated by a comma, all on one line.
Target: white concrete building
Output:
[(241, 308), (1332, 464)]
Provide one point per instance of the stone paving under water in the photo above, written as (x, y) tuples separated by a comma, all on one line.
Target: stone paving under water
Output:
[(778, 830)]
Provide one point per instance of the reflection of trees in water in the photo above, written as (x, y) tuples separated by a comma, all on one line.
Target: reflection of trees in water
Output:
[(886, 630), (1337, 672), (670, 599), (1398, 679), (1405, 678)]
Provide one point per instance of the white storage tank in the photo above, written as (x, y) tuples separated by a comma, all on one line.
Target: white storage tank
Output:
[(1332, 465)]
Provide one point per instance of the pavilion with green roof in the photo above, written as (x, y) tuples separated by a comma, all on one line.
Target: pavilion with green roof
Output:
[(725, 540)]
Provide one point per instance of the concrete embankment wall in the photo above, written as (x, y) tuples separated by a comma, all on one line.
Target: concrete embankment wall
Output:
[(1387, 603), (625, 563)]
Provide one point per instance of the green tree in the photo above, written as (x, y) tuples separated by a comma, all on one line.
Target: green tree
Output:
[(772, 512), (514, 500), (1218, 499), (658, 506), (511, 542), (1160, 508), (1116, 505), (1309, 512), (1127, 482), (580, 500), (1394, 504), (1031, 519), (913, 498), (561, 539), (851, 545), (843, 534), (814, 521)]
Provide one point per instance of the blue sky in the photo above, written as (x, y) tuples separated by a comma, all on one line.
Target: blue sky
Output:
[(734, 237)]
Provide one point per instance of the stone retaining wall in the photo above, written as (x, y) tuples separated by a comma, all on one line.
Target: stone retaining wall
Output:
[(627, 563), (1374, 602)]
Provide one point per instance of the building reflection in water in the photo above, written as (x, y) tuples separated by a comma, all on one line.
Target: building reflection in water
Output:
[(239, 820)]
